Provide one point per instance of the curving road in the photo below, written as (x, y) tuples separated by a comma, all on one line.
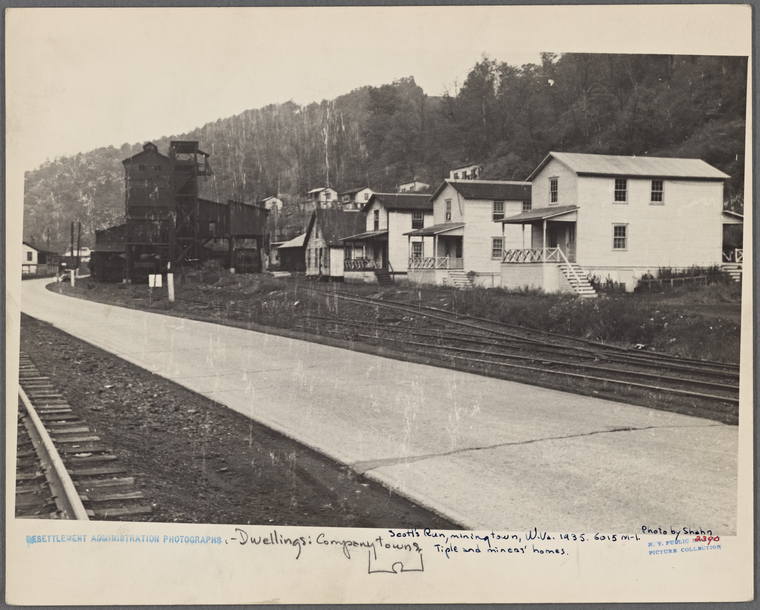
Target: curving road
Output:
[(486, 453)]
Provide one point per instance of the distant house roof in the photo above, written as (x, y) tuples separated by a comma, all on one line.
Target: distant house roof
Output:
[(354, 191), (464, 166), (336, 224), (38, 249), (488, 189), (540, 214), (401, 201), (109, 247), (649, 167), (296, 242), (320, 189), (444, 227)]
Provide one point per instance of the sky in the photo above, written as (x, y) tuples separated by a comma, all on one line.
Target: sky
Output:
[(83, 78)]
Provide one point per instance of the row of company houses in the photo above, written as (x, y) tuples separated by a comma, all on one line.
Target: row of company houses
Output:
[(577, 216)]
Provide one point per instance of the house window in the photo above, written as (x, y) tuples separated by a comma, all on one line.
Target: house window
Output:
[(141, 168), (619, 237), (212, 227), (498, 210), (416, 249), (29, 257), (366, 196), (621, 190), (497, 247), (377, 220), (456, 175), (657, 191), (418, 220), (553, 190), (448, 209), (527, 206), (157, 168)]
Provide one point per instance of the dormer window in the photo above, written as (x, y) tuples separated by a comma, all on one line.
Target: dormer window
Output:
[(621, 190), (553, 190)]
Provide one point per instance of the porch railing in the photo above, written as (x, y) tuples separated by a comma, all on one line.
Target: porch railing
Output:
[(737, 256), (531, 255), (358, 264), (436, 262)]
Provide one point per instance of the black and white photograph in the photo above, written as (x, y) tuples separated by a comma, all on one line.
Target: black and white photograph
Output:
[(378, 304)]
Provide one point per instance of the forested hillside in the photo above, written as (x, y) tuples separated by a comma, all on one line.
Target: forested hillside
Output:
[(505, 117)]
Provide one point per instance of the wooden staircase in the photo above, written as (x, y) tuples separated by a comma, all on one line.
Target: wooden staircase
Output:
[(459, 279), (734, 270), (576, 276), (384, 277)]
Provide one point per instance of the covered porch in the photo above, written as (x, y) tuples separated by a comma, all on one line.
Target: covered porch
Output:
[(550, 237), (434, 251), (547, 259), (366, 251)]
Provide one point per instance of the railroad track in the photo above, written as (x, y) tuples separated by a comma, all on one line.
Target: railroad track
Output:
[(63, 470), (696, 387)]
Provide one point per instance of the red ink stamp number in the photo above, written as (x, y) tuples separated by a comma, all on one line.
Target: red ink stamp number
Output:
[(707, 539)]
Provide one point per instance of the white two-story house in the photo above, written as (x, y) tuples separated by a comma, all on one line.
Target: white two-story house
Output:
[(464, 244), (615, 218), (355, 199), (380, 253)]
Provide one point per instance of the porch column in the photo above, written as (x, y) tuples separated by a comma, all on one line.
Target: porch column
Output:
[(523, 236), (544, 241), (408, 251)]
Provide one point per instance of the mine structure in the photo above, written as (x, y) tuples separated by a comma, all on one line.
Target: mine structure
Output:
[(169, 227)]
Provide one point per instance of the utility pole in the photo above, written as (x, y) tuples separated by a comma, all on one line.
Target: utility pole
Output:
[(71, 257), (79, 247)]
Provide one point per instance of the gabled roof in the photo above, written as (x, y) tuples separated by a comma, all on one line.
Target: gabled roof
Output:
[(444, 227), (148, 147), (320, 189), (354, 190), (336, 224), (401, 201), (540, 214), (38, 249), (296, 242), (488, 189), (645, 167), (368, 235)]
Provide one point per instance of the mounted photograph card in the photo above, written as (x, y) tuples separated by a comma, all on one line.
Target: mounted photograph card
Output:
[(456, 312)]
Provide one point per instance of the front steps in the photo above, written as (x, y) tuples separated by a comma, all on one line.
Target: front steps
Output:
[(734, 270), (576, 276), (459, 279), (384, 278)]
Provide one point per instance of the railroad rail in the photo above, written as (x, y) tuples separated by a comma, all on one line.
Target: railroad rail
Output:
[(63, 471), (444, 338)]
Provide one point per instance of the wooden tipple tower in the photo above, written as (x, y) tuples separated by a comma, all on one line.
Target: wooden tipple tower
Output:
[(187, 164)]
